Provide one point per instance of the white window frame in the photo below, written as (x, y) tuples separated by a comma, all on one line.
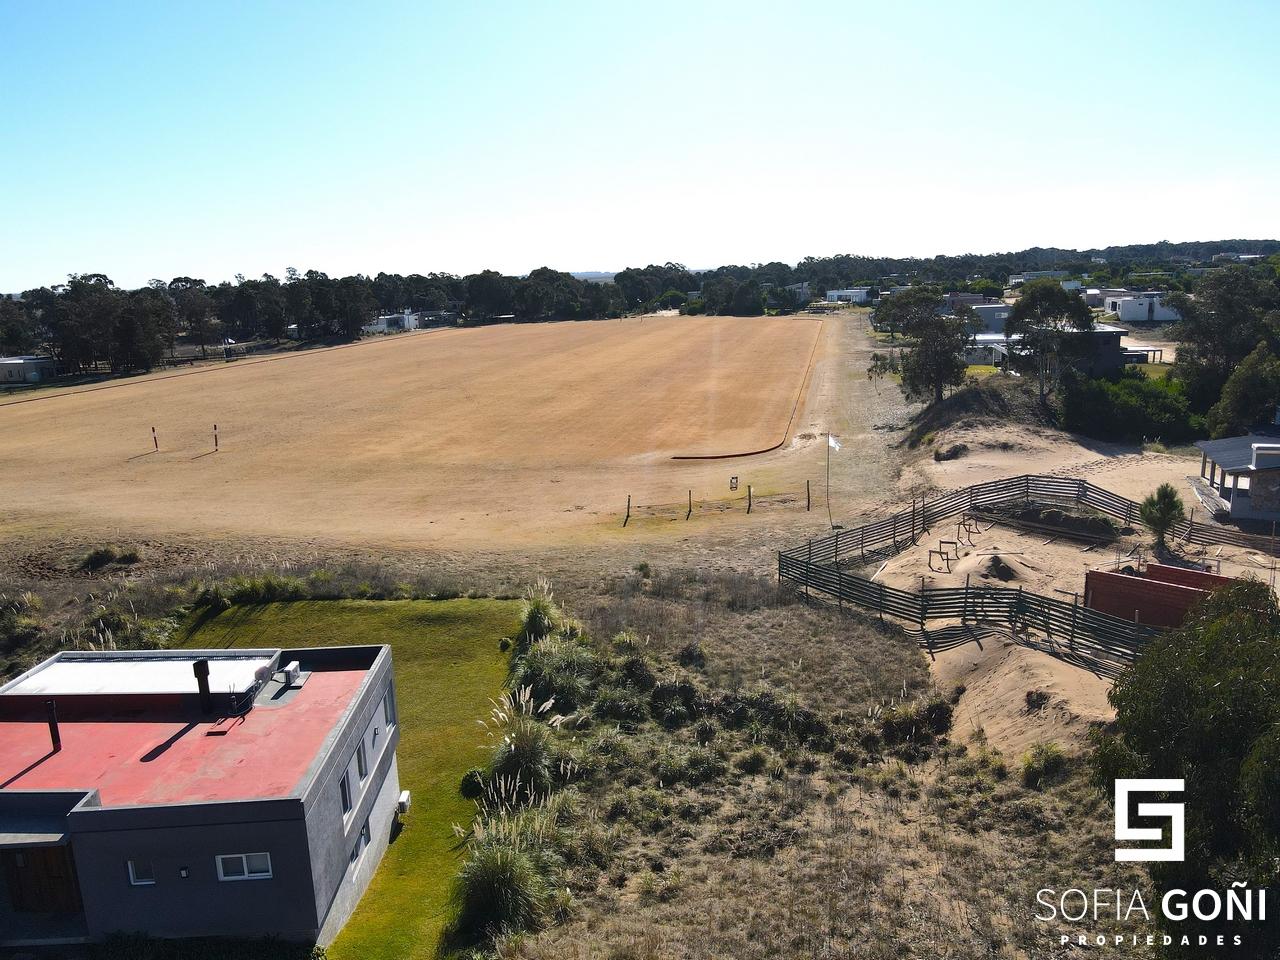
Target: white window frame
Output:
[(362, 762), (344, 792), (244, 863), (389, 708), (134, 880)]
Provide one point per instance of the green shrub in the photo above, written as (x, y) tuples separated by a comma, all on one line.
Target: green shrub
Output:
[(558, 668), (131, 555), (621, 704), (524, 754), (1130, 407), (635, 671), (503, 887), (540, 617), (1042, 764), (266, 588), (674, 702)]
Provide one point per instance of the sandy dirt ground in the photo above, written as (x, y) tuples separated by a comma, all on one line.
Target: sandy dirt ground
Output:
[(423, 438), (1065, 702), (1140, 341)]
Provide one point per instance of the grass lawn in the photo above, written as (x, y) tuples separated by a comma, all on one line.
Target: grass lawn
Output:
[(1152, 371), (447, 666), (981, 371)]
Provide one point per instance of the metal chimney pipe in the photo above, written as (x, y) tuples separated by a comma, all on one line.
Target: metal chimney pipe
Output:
[(55, 735), (202, 680)]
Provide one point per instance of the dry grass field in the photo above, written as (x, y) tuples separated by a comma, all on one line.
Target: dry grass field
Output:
[(459, 435)]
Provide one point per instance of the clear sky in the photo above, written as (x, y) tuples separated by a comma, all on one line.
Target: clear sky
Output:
[(163, 139)]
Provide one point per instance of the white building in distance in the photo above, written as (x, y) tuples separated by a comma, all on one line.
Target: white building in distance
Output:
[(849, 295), (1146, 307)]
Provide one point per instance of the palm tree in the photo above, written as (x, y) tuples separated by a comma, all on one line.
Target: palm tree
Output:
[(1161, 511)]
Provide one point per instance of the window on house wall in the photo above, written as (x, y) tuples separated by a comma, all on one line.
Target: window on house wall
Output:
[(244, 866), (362, 841), (362, 761), (389, 709), (141, 873), (344, 787)]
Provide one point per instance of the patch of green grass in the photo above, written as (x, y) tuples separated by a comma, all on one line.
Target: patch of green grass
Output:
[(980, 371), (1152, 371), (447, 667)]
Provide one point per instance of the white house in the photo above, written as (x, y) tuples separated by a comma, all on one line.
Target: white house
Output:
[(1146, 307), (849, 295), (389, 322), (26, 369)]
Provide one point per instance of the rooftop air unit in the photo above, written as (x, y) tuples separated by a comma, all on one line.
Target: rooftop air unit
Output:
[(291, 671), (405, 801)]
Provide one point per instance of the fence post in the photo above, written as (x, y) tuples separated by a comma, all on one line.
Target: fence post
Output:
[(1075, 606), (808, 498), (880, 605), (840, 589), (964, 604), (862, 543), (627, 518), (923, 611), (1191, 524), (808, 568), (748, 498)]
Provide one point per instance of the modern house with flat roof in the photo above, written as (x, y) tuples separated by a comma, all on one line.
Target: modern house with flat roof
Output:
[(1100, 354), (1244, 473), (237, 793), (1145, 307), (849, 295)]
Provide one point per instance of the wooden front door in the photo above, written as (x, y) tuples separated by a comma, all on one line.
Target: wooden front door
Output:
[(42, 880)]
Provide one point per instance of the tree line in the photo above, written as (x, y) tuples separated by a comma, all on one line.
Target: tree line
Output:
[(90, 323), (1225, 380)]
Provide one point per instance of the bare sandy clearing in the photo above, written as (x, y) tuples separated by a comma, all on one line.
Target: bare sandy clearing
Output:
[(998, 675), (420, 437)]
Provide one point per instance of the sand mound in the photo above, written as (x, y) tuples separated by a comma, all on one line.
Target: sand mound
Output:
[(1018, 696), (994, 565)]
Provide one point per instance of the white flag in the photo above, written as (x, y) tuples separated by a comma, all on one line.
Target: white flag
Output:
[(835, 444)]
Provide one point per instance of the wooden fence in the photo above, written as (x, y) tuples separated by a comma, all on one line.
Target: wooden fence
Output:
[(887, 537), (1075, 632)]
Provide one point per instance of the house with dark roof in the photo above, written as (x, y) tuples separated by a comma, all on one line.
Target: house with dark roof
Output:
[(1245, 473), (239, 793)]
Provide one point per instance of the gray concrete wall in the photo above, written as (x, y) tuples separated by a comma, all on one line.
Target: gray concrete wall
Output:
[(190, 837), (351, 888), (332, 835)]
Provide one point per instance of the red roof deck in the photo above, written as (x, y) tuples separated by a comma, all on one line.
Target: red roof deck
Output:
[(259, 756)]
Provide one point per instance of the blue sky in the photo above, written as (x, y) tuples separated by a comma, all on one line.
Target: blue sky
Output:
[(156, 140)]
